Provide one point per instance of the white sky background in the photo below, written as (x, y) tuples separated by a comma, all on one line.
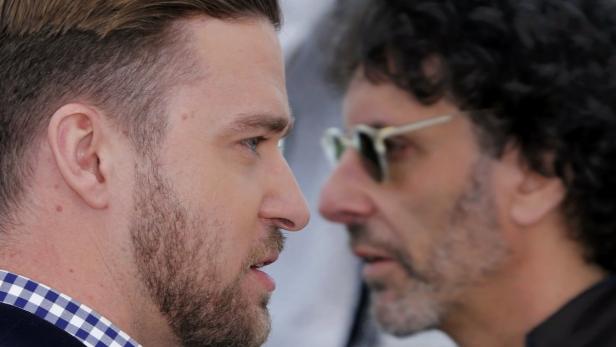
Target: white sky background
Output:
[(299, 16)]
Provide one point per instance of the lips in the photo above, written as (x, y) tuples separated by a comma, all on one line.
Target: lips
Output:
[(371, 255), (265, 261), (264, 279), (378, 264)]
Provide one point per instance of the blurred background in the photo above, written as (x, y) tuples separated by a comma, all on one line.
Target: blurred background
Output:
[(320, 300)]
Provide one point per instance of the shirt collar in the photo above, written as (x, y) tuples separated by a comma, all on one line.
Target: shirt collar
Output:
[(67, 314), (583, 321)]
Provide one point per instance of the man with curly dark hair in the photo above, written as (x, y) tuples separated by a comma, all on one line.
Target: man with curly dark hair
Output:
[(479, 191)]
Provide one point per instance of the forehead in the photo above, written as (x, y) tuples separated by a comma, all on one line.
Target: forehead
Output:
[(239, 69)]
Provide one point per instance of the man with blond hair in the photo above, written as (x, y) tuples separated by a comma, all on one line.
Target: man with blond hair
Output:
[(142, 188)]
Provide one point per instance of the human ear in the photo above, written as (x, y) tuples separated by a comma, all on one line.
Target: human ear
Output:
[(75, 135), (535, 196)]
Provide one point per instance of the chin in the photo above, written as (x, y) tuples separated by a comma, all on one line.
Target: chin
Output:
[(405, 315), (262, 324)]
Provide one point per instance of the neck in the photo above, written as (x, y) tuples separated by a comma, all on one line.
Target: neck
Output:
[(77, 261)]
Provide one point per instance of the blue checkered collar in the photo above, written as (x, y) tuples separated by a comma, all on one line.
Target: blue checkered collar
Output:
[(62, 311)]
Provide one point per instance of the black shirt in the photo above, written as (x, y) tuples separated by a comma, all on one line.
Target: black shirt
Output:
[(589, 320)]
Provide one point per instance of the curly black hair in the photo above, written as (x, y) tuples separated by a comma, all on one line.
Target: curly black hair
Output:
[(545, 71)]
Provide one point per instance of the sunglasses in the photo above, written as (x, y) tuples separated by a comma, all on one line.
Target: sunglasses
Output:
[(370, 143)]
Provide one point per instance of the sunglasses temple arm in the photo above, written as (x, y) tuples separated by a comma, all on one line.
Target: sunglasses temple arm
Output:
[(415, 126)]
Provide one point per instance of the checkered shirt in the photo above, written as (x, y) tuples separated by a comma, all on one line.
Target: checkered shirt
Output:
[(62, 311)]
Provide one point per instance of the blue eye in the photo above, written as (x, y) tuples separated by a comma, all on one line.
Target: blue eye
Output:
[(253, 143)]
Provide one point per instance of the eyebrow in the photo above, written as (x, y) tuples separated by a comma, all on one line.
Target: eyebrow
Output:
[(269, 122)]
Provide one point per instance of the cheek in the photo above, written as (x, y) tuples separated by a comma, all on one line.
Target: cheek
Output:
[(417, 216), (419, 222), (228, 195), (223, 185), (235, 233)]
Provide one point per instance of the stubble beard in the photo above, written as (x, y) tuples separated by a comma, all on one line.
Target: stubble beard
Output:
[(170, 244), (470, 250)]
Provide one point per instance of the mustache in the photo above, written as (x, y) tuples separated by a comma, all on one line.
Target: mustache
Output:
[(275, 239), (360, 234), (273, 243)]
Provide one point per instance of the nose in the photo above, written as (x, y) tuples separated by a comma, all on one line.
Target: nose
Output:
[(285, 206), (344, 198)]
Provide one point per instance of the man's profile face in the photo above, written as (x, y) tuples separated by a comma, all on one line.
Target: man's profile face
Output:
[(430, 234), (209, 203)]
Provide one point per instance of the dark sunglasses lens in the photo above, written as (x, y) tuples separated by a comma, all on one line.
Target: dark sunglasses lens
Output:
[(370, 157)]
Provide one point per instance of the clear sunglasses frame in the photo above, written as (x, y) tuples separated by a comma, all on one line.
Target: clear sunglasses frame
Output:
[(334, 142)]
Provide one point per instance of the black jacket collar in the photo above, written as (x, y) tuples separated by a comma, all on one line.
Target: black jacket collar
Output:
[(589, 320)]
